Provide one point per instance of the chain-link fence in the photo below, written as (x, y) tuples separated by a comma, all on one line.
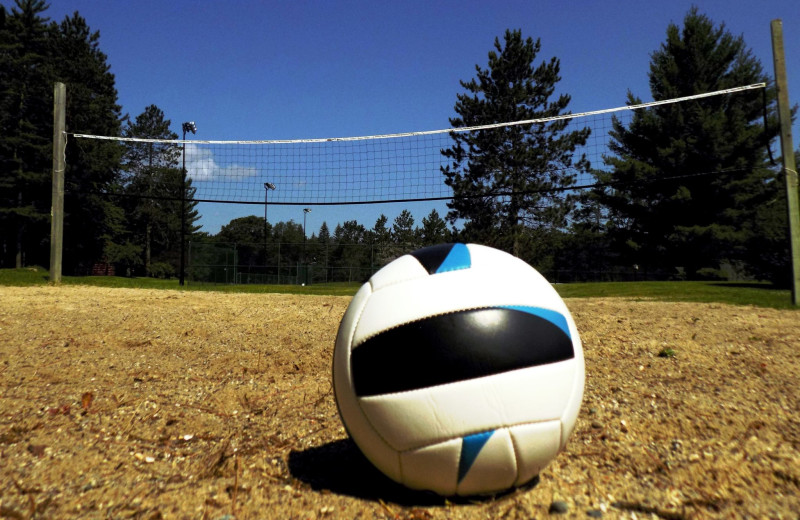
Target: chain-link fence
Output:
[(288, 263)]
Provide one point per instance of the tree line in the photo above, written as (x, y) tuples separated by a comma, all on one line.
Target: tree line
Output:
[(122, 202), (262, 252), (686, 190)]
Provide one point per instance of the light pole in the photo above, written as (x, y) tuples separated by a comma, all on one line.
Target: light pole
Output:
[(187, 127), (306, 211), (267, 186)]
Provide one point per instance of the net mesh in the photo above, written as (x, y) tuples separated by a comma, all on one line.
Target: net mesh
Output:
[(362, 170)]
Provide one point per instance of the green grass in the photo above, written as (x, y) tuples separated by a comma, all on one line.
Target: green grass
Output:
[(735, 293), (24, 277), (30, 276)]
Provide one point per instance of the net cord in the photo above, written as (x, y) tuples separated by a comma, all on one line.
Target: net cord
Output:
[(434, 132)]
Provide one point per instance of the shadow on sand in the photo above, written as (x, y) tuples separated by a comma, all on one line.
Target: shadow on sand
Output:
[(341, 468)]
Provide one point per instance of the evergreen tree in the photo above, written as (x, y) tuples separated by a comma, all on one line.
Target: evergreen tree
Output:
[(506, 179), (383, 247), (381, 235), (403, 231), (26, 126), (153, 187), (34, 54), (350, 232), (95, 226), (324, 236), (320, 249), (689, 176), (434, 229), (350, 251)]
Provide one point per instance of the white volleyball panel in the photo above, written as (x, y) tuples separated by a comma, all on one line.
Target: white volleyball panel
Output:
[(494, 469), (432, 467), (487, 259), (398, 271), (417, 418), (371, 443), (535, 445)]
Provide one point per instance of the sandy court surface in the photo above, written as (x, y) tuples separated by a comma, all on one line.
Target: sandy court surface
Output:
[(119, 403)]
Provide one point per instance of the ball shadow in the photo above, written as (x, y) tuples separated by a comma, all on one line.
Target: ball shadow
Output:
[(340, 467)]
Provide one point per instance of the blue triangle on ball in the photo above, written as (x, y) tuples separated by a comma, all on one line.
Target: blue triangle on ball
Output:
[(457, 258), (471, 446), (554, 317)]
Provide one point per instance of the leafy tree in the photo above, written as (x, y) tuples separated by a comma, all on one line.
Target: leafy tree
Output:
[(288, 232), (350, 238), (434, 229), (768, 255), (507, 179), (689, 177), (247, 233), (243, 230), (290, 237)]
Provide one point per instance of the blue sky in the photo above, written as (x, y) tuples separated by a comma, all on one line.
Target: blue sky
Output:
[(311, 69)]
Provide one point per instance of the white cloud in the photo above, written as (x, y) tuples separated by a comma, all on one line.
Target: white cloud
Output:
[(202, 165)]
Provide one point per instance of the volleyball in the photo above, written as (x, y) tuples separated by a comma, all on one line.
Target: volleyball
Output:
[(458, 369)]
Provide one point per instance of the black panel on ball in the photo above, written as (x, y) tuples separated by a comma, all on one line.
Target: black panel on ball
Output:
[(431, 257), (456, 347)]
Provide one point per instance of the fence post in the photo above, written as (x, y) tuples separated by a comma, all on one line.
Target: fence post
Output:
[(59, 163), (787, 150)]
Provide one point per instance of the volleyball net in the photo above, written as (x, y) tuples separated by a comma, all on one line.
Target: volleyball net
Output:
[(402, 167)]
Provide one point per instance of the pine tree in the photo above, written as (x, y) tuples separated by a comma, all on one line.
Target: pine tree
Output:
[(689, 176), (383, 248), (324, 236), (434, 229), (95, 228), (350, 238), (403, 231), (506, 180), (380, 234), (34, 54), (153, 186), (26, 120)]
